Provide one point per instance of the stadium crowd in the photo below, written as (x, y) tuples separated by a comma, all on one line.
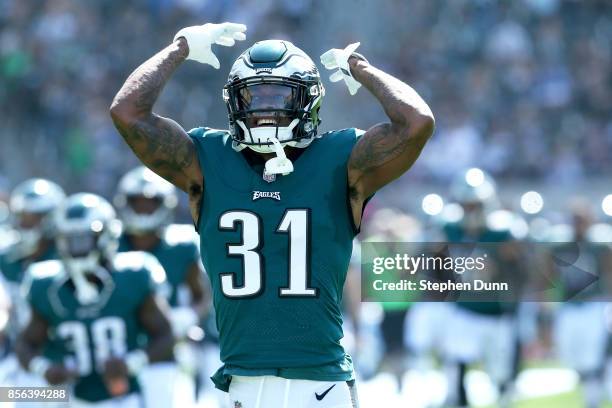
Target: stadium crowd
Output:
[(520, 89)]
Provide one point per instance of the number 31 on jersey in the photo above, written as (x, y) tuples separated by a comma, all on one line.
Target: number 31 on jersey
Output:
[(296, 224)]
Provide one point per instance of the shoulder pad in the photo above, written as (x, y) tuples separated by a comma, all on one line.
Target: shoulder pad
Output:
[(139, 261), (8, 238), (600, 233), (176, 234), (45, 269), (40, 272), (207, 132), (134, 260), (344, 132)]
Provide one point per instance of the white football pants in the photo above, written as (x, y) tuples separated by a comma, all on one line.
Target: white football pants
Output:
[(276, 392)]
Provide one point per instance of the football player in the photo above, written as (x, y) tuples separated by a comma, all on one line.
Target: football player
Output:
[(31, 204), (145, 203), (391, 225), (482, 331), (276, 204), (93, 304), (580, 261)]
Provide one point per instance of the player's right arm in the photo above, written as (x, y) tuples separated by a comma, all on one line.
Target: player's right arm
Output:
[(28, 349), (161, 143)]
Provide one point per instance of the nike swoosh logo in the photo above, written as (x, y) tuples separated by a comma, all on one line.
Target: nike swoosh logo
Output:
[(321, 396)]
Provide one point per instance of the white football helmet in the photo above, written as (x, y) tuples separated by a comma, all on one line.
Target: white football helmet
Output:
[(142, 182), (34, 197), (87, 236), (273, 92)]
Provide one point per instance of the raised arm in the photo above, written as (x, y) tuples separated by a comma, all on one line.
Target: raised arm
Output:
[(387, 150), (160, 143)]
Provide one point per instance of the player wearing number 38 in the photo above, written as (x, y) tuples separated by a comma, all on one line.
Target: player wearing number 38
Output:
[(91, 307), (276, 204)]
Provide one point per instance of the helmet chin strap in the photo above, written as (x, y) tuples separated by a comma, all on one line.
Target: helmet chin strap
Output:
[(279, 164)]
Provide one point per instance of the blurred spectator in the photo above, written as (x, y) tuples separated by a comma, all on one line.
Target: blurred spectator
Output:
[(522, 89)]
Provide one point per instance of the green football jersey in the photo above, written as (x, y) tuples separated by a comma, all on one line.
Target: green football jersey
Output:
[(85, 336), (13, 267), (176, 252), (456, 233), (277, 255)]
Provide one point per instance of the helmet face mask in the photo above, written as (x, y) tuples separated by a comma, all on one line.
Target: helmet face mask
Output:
[(267, 99), (144, 205), (274, 91), (79, 245), (88, 231), (87, 237)]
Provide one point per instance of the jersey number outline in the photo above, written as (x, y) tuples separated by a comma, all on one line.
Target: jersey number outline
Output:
[(296, 224), (108, 337)]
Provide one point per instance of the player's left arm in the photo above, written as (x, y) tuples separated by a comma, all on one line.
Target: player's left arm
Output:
[(200, 293), (153, 316), (387, 150)]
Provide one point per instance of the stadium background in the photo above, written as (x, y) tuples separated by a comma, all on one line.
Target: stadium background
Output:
[(521, 89)]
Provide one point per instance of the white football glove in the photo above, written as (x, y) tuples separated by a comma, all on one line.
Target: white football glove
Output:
[(338, 59), (201, 38), (181, 320)]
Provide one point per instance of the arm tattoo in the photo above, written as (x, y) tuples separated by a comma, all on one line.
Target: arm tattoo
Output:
[(387, 150), (144, 85), (159, 142), (380, 146)]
